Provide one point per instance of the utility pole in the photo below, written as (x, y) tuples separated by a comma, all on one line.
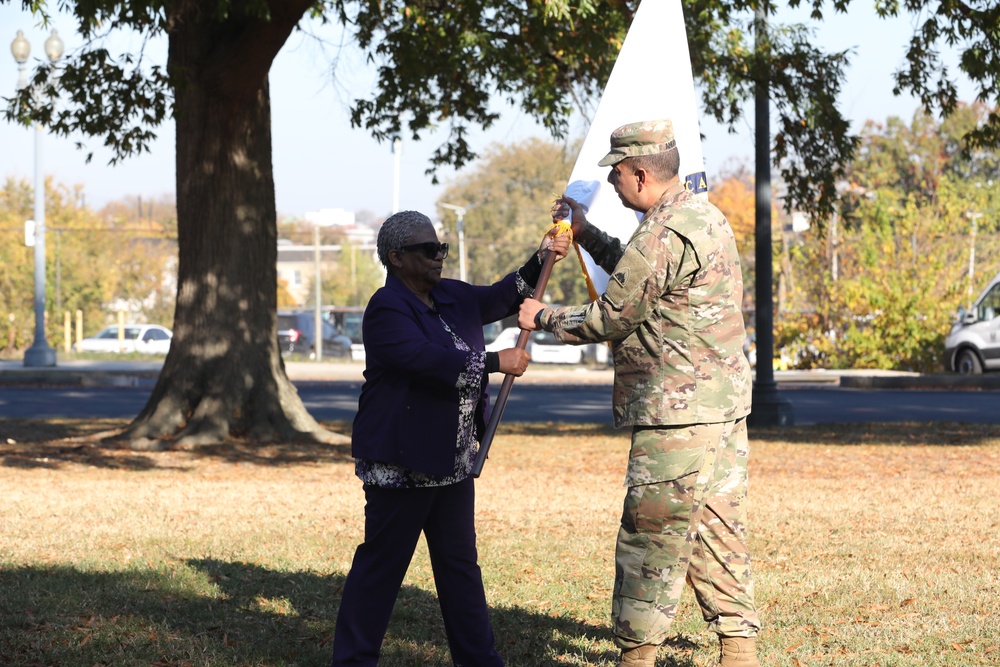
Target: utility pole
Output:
[(397, 152), (460, 212)]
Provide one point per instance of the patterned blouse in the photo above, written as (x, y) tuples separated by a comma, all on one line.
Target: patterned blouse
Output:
[(391, 476)]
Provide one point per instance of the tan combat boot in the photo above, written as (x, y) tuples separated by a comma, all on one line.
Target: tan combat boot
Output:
[(738, 652), (642, 656)]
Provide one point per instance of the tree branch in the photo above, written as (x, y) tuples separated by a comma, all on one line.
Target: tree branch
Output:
[(249, 54)]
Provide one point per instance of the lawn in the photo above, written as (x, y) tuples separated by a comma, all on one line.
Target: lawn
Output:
[(873, 545)]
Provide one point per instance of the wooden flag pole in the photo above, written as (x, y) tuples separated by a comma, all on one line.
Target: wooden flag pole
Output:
[(508, 379)]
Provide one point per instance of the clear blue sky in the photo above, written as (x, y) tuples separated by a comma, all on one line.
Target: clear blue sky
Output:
[(321, 162)]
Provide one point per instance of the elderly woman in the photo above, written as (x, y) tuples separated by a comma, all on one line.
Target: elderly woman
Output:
[(422, 411)]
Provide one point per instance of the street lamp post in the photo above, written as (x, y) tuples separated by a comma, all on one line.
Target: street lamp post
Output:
[(769, 408), (40, 353), (460, 212)]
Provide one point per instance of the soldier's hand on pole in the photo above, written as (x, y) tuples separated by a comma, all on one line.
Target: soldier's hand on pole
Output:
[(527, 314), (567, 208)]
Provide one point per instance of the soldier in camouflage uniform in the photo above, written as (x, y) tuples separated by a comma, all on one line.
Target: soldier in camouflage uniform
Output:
[(671, 312)]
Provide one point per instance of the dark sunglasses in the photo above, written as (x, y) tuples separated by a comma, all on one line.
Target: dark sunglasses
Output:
[(430, 249)]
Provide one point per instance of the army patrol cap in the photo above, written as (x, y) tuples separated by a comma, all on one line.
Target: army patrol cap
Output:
[(648, 137)]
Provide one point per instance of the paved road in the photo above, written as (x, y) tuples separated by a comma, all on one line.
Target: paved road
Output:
[(533, 402), (837, 405)]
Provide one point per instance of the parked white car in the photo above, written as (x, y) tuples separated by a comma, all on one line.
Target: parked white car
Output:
[(542, 346), (505, 339), (138, 338), (973, 345)]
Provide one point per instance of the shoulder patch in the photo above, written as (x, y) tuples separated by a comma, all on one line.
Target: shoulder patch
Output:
[(621, 276)]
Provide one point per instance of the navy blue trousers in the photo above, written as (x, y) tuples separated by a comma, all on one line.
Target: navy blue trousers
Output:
[(394, 519)]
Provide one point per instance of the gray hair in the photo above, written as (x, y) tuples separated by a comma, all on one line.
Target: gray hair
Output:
[(396, 231), (663, 166)]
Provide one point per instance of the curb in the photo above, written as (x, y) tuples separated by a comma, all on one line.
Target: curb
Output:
[(78, 378), (934, 381)]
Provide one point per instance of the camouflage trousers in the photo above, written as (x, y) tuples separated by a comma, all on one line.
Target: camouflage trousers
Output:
[(690, 524)]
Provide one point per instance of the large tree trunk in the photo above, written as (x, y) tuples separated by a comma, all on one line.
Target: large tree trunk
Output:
[(224, 377)]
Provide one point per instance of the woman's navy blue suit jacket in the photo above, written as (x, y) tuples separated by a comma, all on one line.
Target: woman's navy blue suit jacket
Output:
[(408, 409)]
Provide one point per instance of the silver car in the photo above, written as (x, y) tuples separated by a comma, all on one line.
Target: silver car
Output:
[(973, 345)]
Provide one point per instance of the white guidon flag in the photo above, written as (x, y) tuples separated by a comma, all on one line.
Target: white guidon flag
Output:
[(651, 80)]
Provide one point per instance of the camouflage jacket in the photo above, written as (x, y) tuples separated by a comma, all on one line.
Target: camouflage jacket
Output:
[(672, 314)]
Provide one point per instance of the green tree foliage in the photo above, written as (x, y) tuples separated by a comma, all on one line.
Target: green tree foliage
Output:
[(16, 267), (508, 195), (915, 160), (904, 240), (890, 306), (439, 64), (97, 263), (352, 280), (732, 50)]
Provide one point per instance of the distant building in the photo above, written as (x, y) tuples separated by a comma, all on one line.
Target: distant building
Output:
[(297, 262), (330, 217), (345, 222)]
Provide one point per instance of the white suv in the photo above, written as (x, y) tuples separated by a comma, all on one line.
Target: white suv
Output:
[(973, 345)]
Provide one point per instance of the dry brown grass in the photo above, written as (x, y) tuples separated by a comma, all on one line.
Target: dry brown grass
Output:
[(874, 546)]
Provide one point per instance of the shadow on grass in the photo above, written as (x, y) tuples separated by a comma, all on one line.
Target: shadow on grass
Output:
[(54, 443), (274, 455), (34, 431), (900, 434), (55, 455), (212, 612)]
